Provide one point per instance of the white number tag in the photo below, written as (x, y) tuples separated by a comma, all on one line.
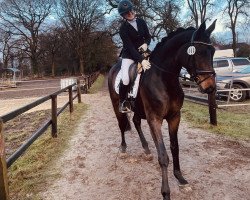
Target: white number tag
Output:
[(191, 50)]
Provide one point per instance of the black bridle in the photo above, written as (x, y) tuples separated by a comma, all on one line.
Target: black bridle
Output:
[(191, 58), (191, 62)]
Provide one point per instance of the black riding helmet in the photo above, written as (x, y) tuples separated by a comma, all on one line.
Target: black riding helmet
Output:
[(124, 6)]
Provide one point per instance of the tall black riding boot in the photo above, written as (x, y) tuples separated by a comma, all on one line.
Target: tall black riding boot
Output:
[(123, 91)]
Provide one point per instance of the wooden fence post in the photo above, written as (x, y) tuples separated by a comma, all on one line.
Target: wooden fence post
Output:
[(79, 91), (4, 190), (70, 100), (89, 82), (54, 115), (212, 108)]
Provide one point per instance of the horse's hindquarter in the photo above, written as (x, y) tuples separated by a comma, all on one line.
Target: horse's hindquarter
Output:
[(111, 81)]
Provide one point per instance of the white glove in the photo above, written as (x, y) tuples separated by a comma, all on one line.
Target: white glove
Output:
[(145, 64), (144, 47)]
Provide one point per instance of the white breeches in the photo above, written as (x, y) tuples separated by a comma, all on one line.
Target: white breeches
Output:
[(126, 62)]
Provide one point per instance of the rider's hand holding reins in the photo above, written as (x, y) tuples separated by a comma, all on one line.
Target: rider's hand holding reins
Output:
[(145, 64), (143, 47)]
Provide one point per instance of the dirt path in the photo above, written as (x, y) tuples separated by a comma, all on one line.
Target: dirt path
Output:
[(92, 169), (9, 105)]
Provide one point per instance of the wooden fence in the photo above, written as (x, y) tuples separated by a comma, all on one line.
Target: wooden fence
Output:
[(6, 163)]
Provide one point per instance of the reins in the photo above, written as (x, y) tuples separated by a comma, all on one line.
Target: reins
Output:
[(161, 69)]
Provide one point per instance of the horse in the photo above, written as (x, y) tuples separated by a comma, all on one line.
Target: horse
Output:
[(160, 95)]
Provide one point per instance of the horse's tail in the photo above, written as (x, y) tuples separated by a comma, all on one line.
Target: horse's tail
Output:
[(123, 118)]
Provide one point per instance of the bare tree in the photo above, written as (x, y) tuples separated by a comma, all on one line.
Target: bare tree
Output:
[(235, 9), (24, 18), (102, 51), (6, 46), (80, 18), (166, 16), (50, 44), (199, 10)]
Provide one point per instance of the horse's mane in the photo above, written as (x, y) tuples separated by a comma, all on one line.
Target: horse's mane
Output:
[(168, 37)]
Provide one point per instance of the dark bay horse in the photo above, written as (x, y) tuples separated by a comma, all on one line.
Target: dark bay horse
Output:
[(160, 96)]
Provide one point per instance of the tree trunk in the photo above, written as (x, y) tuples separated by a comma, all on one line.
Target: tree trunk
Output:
[(34, 65), (234, 44), (53, 68), (81, 66)]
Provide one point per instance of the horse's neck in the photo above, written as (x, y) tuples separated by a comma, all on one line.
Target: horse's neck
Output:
[(166, 57)]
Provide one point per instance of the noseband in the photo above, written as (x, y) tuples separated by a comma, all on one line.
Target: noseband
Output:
[(191, 61)]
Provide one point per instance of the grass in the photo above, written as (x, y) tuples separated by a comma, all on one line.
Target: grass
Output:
[(30, 173), (98, 84), (21, 127), (231, 123)]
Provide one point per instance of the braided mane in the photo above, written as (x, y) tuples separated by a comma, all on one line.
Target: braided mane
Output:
[(168, 37)]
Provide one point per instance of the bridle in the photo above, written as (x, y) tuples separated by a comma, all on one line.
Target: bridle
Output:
[(191, 61)]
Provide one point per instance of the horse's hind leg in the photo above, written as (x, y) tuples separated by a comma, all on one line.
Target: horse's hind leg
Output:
[(137, 123), (173, 125), (124, 125)]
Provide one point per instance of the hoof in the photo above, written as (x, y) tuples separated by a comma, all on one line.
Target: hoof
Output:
[(185, 188), (123, 149), (147, 151), (148, 157), (123, 155), (167, 197)]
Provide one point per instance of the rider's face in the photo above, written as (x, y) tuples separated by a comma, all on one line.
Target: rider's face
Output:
[(130, 15)]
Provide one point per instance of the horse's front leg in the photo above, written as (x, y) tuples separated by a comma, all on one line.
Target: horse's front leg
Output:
[(155, 126), (173, 125)]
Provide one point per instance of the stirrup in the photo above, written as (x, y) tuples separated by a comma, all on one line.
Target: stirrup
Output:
[(123, 108)]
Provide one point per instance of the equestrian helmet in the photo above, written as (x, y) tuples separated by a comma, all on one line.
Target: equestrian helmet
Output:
[(124, 6)]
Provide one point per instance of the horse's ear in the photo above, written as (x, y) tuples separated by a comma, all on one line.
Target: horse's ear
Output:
[(211, 28), (202, 28)]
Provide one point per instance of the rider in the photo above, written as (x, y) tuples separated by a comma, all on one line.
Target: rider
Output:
[(135, 36)]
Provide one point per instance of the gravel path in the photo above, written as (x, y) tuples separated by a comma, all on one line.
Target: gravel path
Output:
[(93, 169)]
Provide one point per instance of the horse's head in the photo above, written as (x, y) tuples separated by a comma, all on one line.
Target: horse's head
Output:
[(197, 57)]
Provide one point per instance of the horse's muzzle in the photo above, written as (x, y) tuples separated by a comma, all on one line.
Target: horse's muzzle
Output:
[(208, 90)]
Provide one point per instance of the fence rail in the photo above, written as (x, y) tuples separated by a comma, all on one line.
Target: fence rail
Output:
[(220, 92), (5, 164), (213, 104)]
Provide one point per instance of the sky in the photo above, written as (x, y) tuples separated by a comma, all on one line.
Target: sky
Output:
[(221, 32)]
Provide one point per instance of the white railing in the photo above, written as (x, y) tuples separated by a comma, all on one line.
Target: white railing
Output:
[(192, 90), (228, 102)]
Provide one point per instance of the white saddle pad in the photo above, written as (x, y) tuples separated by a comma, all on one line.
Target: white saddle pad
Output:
[(134, 92)]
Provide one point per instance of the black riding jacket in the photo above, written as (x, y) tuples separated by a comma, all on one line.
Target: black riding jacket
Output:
[(133, 39)]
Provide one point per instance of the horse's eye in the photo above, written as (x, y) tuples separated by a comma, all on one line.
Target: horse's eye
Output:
[(203, 53)]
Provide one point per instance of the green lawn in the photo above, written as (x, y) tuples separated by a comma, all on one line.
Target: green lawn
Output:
[(232, 122), (98, 84)]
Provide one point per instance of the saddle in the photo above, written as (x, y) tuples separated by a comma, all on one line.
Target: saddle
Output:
[(135, 71), (134, 78)]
